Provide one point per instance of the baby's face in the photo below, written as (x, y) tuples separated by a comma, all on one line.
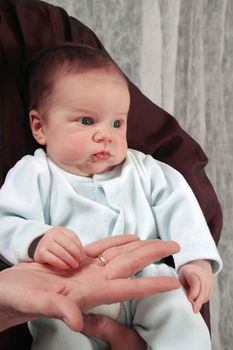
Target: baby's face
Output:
[(86, 119)]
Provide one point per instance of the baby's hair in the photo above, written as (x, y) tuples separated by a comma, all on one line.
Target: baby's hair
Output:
[(44, 66)]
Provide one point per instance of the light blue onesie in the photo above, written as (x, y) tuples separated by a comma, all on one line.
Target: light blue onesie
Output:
[(141, 196)]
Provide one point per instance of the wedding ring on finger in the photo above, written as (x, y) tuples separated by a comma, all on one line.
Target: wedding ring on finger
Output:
[(103, 260)]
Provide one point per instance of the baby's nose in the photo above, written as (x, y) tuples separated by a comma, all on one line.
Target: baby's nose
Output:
[(104, 136)]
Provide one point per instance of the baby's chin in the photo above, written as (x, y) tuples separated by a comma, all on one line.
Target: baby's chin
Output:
[(89, 171), (101, 170), (89, 168)]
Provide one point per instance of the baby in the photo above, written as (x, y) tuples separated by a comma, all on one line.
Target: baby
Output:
[(86, 184)]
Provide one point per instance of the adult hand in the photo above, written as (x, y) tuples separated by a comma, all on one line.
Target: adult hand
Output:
[(117, 336), (65, 295)]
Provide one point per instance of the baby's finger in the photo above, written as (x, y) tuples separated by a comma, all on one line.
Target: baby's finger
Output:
[(72, 235), (70, 245), (197, 304), (59, 252), (207, 293), (194, 287), (51, 259), (201, 298)]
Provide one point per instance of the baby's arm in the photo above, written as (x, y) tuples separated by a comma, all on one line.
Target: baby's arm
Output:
[(197, 278), (58, 247)]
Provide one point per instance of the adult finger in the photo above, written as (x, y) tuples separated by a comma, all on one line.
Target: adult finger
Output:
[(135, 288), (96, 248), (118, 336), (129, 247), (61, 307), (161, 248), (127, 264)]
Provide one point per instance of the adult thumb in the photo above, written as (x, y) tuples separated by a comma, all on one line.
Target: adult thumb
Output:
[(61, 307)]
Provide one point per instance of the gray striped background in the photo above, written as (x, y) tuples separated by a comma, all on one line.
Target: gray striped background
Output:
[(180, 54)]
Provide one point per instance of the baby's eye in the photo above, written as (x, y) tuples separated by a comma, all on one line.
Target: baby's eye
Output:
[(86, 120), (116, 124)]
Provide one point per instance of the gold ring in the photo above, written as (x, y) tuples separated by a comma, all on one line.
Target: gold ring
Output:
[(103, 260)]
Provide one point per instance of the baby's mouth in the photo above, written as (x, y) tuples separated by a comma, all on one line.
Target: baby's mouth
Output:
[(104, 155)]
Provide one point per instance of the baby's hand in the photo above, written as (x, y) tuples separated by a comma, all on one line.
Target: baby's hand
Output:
[(60, 248), (197, 278)]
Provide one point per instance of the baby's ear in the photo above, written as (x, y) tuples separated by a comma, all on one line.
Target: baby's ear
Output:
[(37, 126)]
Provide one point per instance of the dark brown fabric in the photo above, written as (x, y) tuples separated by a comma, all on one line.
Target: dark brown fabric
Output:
[(29, 25), (16, 338)]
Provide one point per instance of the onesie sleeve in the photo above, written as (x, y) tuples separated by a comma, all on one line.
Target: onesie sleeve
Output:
[(179, 217), (23, 208)]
